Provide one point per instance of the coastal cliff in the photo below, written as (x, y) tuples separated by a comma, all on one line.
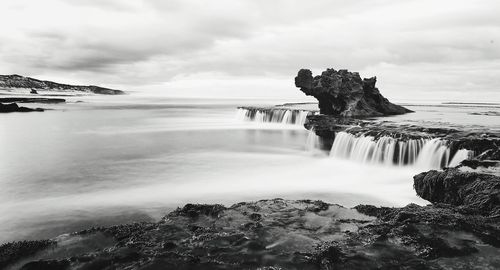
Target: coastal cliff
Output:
[(17, 81), (344, 93)]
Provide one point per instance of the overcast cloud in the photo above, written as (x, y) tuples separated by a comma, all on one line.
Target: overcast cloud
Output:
[(417, 49)]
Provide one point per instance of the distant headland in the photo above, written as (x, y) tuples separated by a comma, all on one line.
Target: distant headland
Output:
[(18, 81)]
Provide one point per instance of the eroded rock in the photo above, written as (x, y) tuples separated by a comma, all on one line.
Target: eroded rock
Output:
[(284, 234), (344, 93), (479, 192)]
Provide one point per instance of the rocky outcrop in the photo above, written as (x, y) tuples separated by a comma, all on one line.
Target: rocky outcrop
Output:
[(32, 100), (17, 81), (485, 145), (13, 107), (275, 234), (478, 192), (344, 93)]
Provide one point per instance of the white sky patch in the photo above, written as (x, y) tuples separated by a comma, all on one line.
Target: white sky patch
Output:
[(418, 49)]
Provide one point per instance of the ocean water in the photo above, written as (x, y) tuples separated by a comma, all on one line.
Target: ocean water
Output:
[(110, 160)]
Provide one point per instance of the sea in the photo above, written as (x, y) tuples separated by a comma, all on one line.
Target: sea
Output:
[(106, 160)]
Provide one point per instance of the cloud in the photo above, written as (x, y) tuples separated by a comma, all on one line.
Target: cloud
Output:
[(130, 43)]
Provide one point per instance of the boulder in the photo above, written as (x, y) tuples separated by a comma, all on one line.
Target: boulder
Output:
[(475, 191), (344, 93)]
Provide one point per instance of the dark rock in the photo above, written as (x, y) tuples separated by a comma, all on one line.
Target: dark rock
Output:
[(344, 93), (32, 100), (453, 186), (47, 265), (17, 81), (11, 252), (195, 210), (475, 163), (13, 107), (255, 217), (483, 147), (33, 91), (169, 245), (294, 235)]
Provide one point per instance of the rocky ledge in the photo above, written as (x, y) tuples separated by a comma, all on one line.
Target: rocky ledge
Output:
[(344, 93), (32, 100), (461, 230), (17, 81), (485, 144)]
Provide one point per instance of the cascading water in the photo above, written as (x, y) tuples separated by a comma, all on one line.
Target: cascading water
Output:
[(312, 142), (425, 153), (460, 156), (283, 116)]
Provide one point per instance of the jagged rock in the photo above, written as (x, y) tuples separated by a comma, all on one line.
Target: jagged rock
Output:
[(13, 107), (33, 91), (480, 192), (280, 234), (344, 93), (17, 81)]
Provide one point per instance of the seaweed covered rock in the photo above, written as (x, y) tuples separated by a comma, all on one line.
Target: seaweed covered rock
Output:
[(11, 252), (475, 191), (344, 93), (277, 234)]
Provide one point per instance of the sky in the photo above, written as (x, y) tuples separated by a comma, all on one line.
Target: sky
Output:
[(418, 49)]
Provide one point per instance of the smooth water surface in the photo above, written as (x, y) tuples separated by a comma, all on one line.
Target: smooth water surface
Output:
[(116, 159)]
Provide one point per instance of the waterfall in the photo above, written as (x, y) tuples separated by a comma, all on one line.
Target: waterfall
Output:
[(460, 156), (434, 154), (312, 142), (425, 153), (274, 115)]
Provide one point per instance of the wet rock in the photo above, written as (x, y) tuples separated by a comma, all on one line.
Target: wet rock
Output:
[(344, 93), (417, 237), (484, 146), (475, 163), (47, 265), (33, 91), (32, 100), (11, 252), (292, 235), (195, 210), (255, 217), (480, 192), (13, 107)]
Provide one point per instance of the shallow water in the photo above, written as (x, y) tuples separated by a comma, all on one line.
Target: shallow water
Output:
[(110, 160)]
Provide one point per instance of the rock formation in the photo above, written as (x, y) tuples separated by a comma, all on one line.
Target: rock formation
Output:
[(32, 100), (344, 93), (478, 192), (17, 81), (13, 107), (275, 234)]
